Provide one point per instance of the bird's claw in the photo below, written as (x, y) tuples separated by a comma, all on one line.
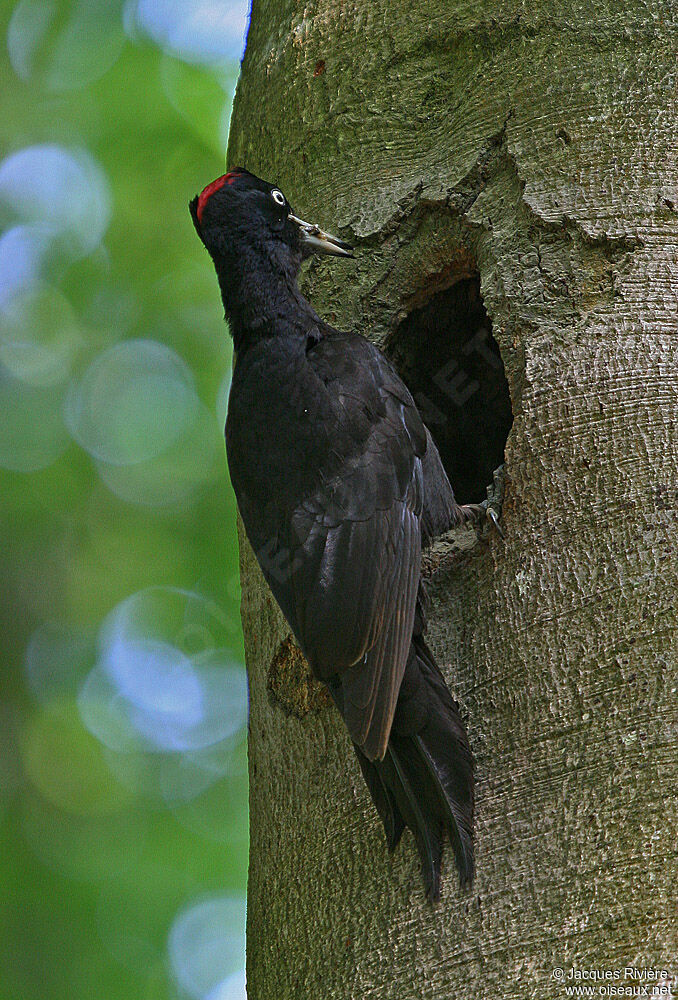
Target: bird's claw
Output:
[(494, 518), (489, 509), (495, 498)]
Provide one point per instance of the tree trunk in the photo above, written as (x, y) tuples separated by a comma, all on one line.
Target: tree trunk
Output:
[(528, 151)]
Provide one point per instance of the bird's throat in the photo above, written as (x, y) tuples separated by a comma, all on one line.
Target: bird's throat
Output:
[(262, 300)]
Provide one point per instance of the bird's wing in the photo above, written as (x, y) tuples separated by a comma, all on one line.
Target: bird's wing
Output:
[(353, 544)]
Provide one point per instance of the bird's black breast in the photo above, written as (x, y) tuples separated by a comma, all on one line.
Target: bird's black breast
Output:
[(328, 415), (282, 434)]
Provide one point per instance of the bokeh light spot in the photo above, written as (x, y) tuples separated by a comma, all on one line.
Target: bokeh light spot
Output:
[(64, 45), (233, 988), (39, 336), (175, 476), (160, 672), (156, 678), (22, 253), (64, 189), (202, 31), (207, 945), (106, 714), (133, 402), (193, 623)]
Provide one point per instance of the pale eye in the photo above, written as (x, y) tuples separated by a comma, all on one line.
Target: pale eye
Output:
[(278, 197)]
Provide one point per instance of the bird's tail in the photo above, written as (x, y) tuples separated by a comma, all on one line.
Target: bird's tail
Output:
[(425, 781)]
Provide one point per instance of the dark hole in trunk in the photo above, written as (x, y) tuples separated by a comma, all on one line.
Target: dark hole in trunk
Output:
[(451, 363)]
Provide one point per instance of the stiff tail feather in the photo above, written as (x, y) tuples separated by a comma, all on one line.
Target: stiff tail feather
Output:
[(425, 781)]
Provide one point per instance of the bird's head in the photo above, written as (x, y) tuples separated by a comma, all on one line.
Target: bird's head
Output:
[(239, 214)]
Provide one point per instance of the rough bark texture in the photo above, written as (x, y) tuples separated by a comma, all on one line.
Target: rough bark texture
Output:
[(536, 146)]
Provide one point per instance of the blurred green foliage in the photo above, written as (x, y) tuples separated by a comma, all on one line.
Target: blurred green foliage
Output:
[(123, 784)]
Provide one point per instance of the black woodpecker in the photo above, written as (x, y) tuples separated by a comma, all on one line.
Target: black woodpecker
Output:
[(339, 486)]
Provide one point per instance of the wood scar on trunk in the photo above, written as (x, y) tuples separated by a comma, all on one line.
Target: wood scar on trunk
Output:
[(291, 682)]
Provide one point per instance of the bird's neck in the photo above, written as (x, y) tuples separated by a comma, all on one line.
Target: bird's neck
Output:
[(262, 300)]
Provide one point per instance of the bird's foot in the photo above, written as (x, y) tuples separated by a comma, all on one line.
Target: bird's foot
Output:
[(489, 509)]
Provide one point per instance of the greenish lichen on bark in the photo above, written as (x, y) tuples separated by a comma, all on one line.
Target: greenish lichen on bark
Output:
[(536, 146)]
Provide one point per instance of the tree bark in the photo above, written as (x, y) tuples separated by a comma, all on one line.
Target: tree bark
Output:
[(533, 145)]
